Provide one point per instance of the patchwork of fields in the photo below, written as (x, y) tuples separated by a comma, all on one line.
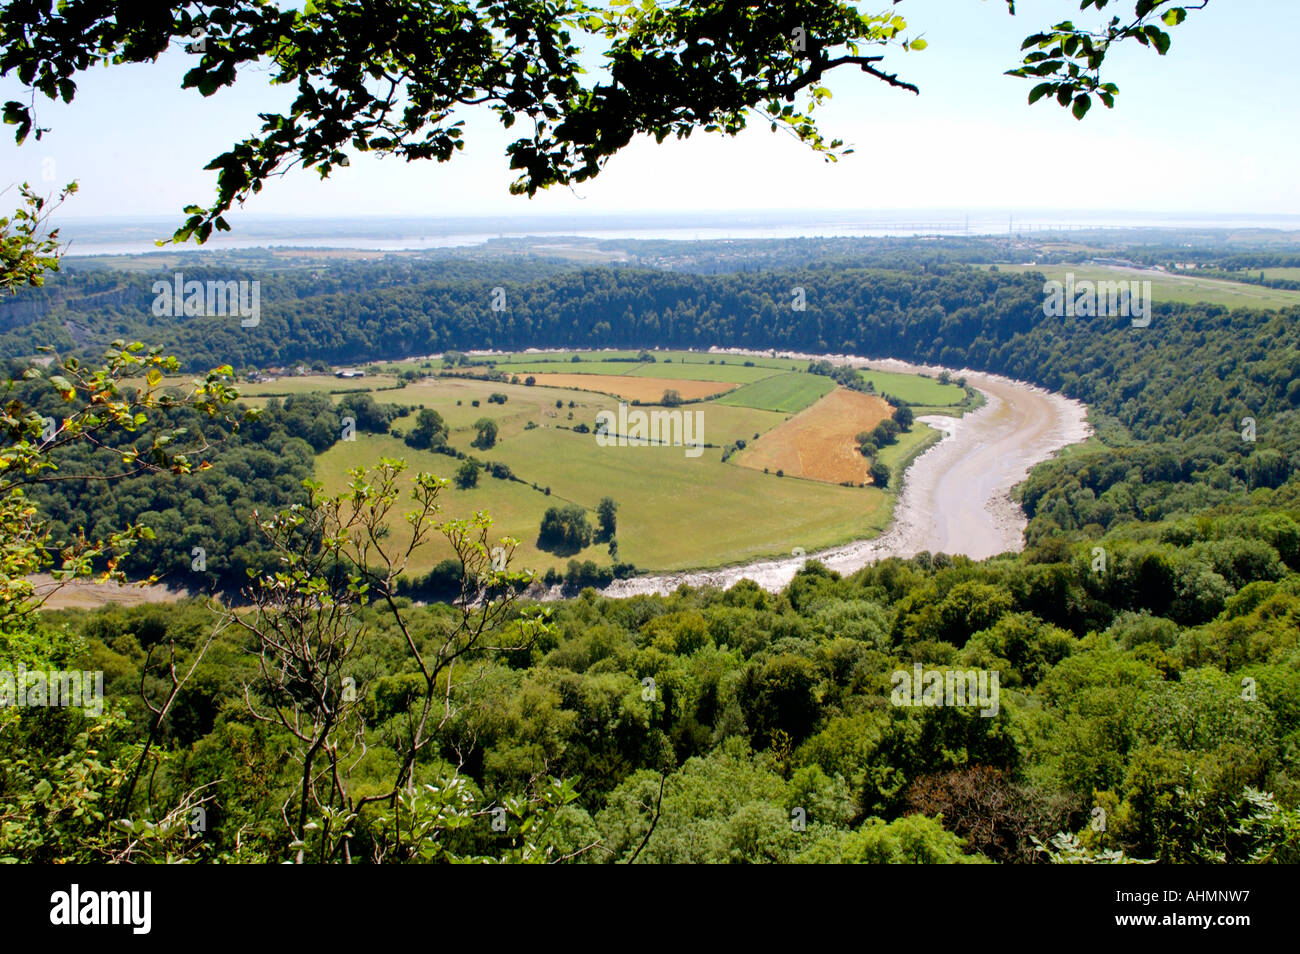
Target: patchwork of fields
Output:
[(675, 511)]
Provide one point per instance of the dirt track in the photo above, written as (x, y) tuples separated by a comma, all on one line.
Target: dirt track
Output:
[(955, 495)]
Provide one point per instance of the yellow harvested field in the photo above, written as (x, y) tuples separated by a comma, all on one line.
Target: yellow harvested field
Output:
[(630, 388), (818, 442)]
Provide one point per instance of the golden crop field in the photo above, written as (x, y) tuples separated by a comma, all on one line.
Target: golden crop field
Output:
[(818, 442)]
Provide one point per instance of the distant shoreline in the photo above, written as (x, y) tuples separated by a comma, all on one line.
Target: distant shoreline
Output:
[(92, 237)]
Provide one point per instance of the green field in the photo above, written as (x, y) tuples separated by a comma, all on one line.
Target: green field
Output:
[(914, 389), (1174, 288), (782, 392)]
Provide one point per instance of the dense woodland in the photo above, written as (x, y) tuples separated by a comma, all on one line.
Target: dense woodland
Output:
[(1146, 639)]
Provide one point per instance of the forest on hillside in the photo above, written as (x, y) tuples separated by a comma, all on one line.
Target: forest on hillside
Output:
[(1146, 639)]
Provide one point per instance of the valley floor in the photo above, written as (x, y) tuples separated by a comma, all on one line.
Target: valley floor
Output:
[(956, 495)]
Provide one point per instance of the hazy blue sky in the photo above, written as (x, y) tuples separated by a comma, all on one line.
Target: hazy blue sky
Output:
[(1212, 127)]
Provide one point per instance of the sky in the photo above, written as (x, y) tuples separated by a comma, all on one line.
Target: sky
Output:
[(1213, 127)]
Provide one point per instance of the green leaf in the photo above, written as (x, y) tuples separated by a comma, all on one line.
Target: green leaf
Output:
[(1159, 38), (1039, 91)]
